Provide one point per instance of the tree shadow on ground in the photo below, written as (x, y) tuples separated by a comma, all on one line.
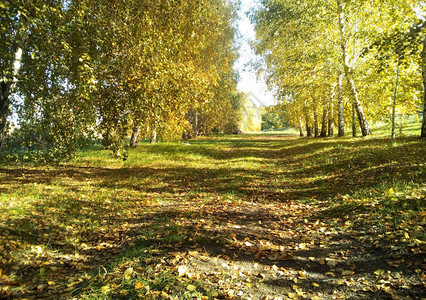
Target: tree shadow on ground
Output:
[(241, 215)]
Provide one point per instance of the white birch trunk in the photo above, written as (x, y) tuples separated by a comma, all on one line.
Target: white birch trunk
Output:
[(395, 94), (347, 72), (340, 120), (7, 88), (423, 133)]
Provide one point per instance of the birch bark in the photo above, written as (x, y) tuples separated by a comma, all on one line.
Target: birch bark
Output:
[(340, 120), (423, 134), (7, 88), (365, 130), (394, 102)]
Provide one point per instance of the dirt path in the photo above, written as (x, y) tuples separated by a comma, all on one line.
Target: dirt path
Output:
[(281, 251)]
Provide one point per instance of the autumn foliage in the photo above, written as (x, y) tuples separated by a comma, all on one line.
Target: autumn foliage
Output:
[(73, 71)]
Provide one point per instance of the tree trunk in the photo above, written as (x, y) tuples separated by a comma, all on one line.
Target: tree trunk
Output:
[(134, 140), (308, 125), (300, 126), (353, 120), (5, 100), (347, 72), (153, 137), (196, 123), (365, 129), (324, 122), (107, 138), (6, 91), (316, 129), (340, 120), (331, 117), (423, 134), (395, 94)]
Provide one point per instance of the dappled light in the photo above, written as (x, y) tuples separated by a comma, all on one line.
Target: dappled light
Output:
[(245, 216), (135, 163)]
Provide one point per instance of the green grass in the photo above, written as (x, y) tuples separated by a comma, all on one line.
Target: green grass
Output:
[(404, 126), (74, 229)]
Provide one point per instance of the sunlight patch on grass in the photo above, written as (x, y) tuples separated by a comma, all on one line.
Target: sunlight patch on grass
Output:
[(117, 215)]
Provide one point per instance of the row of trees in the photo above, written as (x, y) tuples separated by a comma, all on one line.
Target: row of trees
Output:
[(71, 70), (330, 61)]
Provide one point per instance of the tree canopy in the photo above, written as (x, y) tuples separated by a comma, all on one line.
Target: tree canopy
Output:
[(78, 69), (329, 60)]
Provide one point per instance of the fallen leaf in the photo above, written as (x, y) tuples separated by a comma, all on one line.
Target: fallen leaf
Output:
[(128, 273), (182, 270), (191, 287), (139, 285), (105, 289), (164, 294)]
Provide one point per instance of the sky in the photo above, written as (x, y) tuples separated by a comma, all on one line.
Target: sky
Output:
[(248, 82)]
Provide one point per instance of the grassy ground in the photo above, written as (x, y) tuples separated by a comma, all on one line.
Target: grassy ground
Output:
[(230, 217)]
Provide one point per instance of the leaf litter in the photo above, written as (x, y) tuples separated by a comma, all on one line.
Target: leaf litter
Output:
[(271, 229)]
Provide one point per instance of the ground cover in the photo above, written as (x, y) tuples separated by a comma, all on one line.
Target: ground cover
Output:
[(229, 217)]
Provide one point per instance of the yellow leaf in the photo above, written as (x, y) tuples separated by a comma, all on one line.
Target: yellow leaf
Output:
[(105, 289), (191, 287), (124, 292), (51, 283), (164, 294), (128, 273), (315, 284), (379, 272), (139, 285)]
